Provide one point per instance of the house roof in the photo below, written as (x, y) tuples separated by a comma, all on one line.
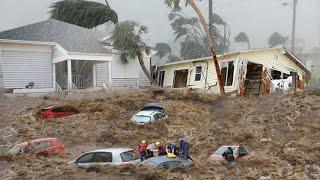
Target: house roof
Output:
[(71, 37)]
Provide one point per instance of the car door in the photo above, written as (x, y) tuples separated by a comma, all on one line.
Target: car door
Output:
[(242, 152), (42, 147), (102, 158), (85, 160)]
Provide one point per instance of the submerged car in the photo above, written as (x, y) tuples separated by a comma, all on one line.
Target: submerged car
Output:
[(154, 107), (145, 117), (166, 162), (111, 156), (238, 152), (39, 146), (53, 112)]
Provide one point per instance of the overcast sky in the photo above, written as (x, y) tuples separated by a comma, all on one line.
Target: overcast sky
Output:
[(258, 18)]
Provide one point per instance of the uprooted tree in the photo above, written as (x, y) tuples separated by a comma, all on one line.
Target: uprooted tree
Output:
[(127, 38), (175, 4)]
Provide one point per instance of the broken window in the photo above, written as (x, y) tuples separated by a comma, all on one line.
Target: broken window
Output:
[(275, 74), (198, 73), (227, 70)]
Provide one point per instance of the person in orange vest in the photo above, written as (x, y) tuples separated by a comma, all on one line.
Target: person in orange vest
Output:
[(143, 150)]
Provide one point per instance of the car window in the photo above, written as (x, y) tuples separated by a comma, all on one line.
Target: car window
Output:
[(86, 158), (103, 157), (38, 146), (128, 156), (242, 150), (140, 118), (156, 116), (15, 149), (169, 164)]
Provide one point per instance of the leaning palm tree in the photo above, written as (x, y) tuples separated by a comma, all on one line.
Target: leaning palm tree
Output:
[(242, 37), (162, 49), (175, 4), (83, 13), (127, 39)]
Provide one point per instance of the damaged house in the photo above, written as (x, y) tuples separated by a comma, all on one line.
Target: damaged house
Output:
[(252, 72)]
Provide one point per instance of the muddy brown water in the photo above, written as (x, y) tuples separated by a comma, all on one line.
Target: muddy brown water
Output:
[(280, 131)]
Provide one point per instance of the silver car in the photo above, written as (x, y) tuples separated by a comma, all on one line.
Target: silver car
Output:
[(110, 156), (166, 162), (144, 117)]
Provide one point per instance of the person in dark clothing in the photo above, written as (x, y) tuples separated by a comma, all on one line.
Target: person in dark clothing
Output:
[(228, 155), (184, 148)]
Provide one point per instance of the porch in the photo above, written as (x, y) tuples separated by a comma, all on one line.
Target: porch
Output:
[(76, 74)]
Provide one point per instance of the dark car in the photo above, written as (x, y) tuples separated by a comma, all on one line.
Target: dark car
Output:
[(154, 107), (166, 162)]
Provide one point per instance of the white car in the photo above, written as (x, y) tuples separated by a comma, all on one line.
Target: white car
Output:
[(144, 117), (110, 156)]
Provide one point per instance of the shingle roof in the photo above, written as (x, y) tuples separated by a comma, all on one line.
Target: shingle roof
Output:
[(71, 37)]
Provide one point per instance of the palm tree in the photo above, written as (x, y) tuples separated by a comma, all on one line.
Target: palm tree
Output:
[(127, 39), (175, 4), (242, 37), (83, 13), (163, 49), (276, 39)]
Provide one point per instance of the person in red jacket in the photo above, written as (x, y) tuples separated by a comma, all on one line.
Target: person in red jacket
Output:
[(161, 149), (143, 150)]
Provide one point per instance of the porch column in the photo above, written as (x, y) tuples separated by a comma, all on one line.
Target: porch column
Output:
[(54, 76), (94, 75), (69, 74)]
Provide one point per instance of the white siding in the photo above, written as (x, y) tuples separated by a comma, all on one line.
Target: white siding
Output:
[(57, 53), (21, 67), (102, 73), (124, 82)]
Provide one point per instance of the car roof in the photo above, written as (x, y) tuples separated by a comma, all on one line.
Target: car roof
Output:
[(115, 150), (146, 113), (153, 104), (230, 146), (162, 159)]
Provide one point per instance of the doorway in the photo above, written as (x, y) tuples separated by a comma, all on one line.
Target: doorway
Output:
[(161, 78), (253, 79), (180, 78)]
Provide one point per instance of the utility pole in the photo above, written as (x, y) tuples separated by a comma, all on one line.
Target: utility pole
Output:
[(294, 25)]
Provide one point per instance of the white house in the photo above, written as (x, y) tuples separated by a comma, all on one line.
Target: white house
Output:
[(53, 55), (251, 72)]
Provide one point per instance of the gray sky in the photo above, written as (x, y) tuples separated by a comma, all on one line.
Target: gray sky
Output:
[(258, 18)]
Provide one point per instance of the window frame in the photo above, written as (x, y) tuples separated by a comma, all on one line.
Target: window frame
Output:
[(225, 78), (77, 161), (97, 153), (197, 74)]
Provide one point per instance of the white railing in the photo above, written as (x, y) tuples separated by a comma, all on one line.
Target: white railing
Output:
[(74, 87), (59, 89)]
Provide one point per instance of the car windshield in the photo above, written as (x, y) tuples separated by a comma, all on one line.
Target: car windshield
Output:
[(141, 118), (221, 150), (15, 149), (128, 156)]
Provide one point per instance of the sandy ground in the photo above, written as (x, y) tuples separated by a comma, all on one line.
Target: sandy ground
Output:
[(280, 131)]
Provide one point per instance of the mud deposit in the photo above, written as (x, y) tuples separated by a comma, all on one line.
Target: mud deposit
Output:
[(281, 133)]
